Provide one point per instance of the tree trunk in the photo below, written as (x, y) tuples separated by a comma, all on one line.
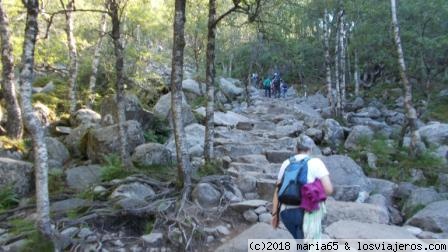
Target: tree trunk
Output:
[(356, 74), (328, 61), (210, 82), (183, 159), (14, 128), (337, 56), (411, 113), (342, 47), (114, 12), (73, 55), (96, 62), (31, 121)]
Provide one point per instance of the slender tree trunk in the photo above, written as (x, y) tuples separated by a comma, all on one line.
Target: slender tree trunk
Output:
[(96, 62), (210, 82), (328, 61), (356, 74), (73, 55), (119, 84), (342, 47), (231, 57), (31, 121), (183, 159), (337, 57), (14, 128), (411, 113)]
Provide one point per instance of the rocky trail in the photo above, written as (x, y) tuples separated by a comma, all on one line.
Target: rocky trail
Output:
[(133, 213)]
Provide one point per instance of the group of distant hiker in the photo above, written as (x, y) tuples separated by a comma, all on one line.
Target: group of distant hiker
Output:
[(273, 86)]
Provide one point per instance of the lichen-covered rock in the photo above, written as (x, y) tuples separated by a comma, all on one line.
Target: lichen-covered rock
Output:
[(18, 174)]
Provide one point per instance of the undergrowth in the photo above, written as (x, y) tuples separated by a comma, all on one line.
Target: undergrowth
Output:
[(35, 241), (113, 169), (8, 198)]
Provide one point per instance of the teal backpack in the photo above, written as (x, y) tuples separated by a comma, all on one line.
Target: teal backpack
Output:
[(294, 178)]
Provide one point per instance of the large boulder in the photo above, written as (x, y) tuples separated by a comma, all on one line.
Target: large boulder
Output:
[(362, 212), (57, 153), (257, 231), (81, 177), (317, 101), (434, 134), (360, 134), (193, 86), (432, 218), (133, 195), (151, 153), (76, 141), (344, 171), (105, 141), (418, 199), (229, 118), (371, 112), (229, 88), (133, 111), (195, 134), (333, 133), (384, 187), (84, 116), (306, 113), (206, 195), (18, 174), (162, 109), (351, 229)]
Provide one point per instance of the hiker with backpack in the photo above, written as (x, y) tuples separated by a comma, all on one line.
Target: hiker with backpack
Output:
[(275, 83), (283, 88), (293, 201), (267, 87)]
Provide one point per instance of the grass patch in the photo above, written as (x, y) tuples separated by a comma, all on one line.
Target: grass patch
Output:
[(159, 131), (113, 169), (199, 101), (8, 198), (210, 168), (56, 182), (13, 144), (159, 172), (35, 241), (438, 109)]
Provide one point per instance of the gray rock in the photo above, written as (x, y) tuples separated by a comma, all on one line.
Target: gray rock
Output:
[(84, 116), (432, 218), (261, 209), (346, 192), (247, 183), (265, 188), (229, 118), (317, 101), (395, 216), (17, 173), (276, 156), (333, 132), (344, 171), (371, 160), (404, 190), (229, 88), (222, 230), (45, 115), (104, 141), (57, 152), (193, 86), (434, 134), (70, 232), (356, 104), (348, 229), (84, 233), (151, 153), (132, 195), (378, 200), (362, 212), (206, 195), (442, 153), (248, 204), (81, 177), (306, 113), (257, 231), (265, 217), (371, 112), (394, 117), (163, 109), (385, 188), (359, 135), (76, 141), (153, 238), (418, 199), (67, 205), (132, 109), (245, 125), (417, 175), (443, 182), (253, 159), (194, 137), (315, 134)]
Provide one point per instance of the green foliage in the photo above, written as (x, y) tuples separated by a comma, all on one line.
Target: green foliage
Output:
[(149, 226), (56, 182), (8, 198), (158, 171), (21, 226), (113, 169), (159, 131), (199, 101), (13, 144), (35, 241), (438, 109), (210, 168), (57, 99)]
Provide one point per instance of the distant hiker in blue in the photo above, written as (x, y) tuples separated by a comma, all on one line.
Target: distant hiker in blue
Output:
[(283, 88), (267, 87)]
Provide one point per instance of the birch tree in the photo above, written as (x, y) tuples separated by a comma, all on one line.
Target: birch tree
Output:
[(96, 62), (183, 159), (14, 128), (115, 11), (72, 52), (326, 32), (337, 58), (342, 58), (411, 114), (31, 121)]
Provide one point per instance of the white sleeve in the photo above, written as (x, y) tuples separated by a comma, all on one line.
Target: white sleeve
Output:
[(319, 169), (282, 170)]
